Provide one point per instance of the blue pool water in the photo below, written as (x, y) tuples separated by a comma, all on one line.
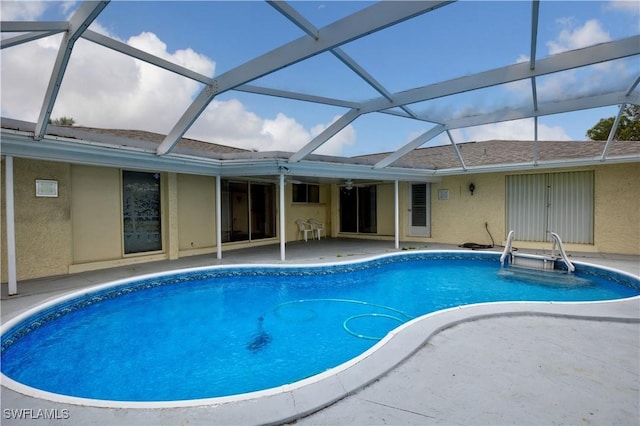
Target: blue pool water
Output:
[(225, 331)]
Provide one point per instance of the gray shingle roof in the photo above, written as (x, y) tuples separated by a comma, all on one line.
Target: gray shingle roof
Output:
[(441, 157), (185, 145), (507, 152)]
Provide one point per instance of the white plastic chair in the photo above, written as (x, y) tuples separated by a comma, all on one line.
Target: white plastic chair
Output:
[(304, 228), (318, 227)]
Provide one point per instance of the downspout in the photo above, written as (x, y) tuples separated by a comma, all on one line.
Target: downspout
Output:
[(218, 216), (11, 230)]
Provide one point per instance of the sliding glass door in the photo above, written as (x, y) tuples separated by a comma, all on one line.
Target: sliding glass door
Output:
[(358, 209), (248, 211)]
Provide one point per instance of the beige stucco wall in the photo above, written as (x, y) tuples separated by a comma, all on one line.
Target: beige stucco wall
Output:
[(196, 213), (617, 208), (97, 214), (42, 225), (462, 217), (385, 194)]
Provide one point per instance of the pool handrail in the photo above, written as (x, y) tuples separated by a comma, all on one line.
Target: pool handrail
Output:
[(558, 241), (507, 247)]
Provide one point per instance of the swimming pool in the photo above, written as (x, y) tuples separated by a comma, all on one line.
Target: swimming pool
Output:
[(237, 318)]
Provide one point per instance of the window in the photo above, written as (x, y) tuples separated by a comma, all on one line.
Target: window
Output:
[(141, 212), (248, 211), (358, 210), (306, 193), (552, 202)]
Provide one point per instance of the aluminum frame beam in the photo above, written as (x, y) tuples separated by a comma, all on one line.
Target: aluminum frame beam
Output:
[(560, 62), (135, 53), (26, 38), (306, 26), (570, 105), (29, 26), (457, 151), (612, 132), (587, 102), (327, 134), (373, 18), (633, 86), (278, 93), (79, 22), (415, 143), (535, 13), (330, 38)]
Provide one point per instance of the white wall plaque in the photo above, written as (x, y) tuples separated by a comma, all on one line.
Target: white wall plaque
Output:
[(46, 188)]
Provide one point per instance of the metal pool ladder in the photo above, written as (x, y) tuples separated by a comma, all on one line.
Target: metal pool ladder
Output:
[(546, 263)]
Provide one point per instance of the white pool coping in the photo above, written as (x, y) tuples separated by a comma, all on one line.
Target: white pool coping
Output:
[(289, 402)]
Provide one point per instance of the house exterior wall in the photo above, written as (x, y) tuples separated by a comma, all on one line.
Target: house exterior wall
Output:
[(386, 209), (81, 229), (617, 208), (42, 224), (96, 210), (196, 214), (462, 217)]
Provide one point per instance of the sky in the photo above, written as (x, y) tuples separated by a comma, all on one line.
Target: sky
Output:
[(103, 88)]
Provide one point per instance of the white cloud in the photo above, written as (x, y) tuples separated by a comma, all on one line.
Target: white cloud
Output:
[(559, 86), (103, 88), (575, 38), (67, 7), (588, 81), (510, 130), (624, 6), (333, 146), (229, 123), (22, 10)]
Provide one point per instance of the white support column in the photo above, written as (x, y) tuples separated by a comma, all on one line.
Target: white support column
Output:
[(218, 217), (283, 236), (11, 230), (397, 214)]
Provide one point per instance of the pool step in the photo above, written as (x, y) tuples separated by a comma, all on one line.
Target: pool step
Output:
[(544, 263), (546, 277), (536, 261)]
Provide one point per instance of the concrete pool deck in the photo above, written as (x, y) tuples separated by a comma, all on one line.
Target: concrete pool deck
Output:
[(489, 364)]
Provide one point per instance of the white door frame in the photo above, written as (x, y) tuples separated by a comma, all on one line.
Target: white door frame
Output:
[(419, 230)]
